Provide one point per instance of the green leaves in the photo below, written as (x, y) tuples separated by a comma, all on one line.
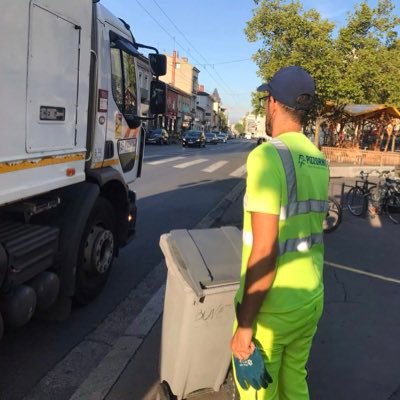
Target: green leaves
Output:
[(239, 128), (360, 63)]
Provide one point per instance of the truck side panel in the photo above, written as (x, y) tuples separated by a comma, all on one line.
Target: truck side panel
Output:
[(53, 77), (44, 97)]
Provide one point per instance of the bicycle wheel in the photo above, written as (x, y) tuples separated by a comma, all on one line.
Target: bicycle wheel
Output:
[(392, 208), (356, 201), (333, 217)]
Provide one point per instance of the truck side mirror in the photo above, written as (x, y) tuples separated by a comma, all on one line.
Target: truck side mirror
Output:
[(158, 97), (158, 64)]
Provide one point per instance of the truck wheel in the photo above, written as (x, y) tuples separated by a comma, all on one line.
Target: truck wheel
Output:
[(164, 392), (96, 252)]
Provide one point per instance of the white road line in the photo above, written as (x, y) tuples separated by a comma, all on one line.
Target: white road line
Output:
[(190, 163), (239, 172), (152, 156), (215, 166), (165, 160), (361, 272)]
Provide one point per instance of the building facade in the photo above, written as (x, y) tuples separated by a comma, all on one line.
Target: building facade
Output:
[(181, 78), (205, 102)]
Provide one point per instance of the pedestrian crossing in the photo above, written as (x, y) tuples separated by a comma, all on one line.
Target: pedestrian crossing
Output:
[(239, 172), (214, 166), (190, 163), (165, 160)]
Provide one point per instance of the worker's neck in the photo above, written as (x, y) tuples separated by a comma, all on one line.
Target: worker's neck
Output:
[(284, 128)]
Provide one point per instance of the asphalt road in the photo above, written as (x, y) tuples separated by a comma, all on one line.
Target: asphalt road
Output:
[(177, 189)]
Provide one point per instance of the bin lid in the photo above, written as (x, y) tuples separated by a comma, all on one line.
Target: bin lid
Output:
[(207, 258)]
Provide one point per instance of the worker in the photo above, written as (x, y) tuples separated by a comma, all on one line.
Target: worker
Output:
[(280, 299)]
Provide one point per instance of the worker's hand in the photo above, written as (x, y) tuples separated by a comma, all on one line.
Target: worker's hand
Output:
[(252, 372), (241, 344)]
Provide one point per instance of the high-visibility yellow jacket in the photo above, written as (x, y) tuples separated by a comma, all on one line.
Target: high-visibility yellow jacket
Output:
[(289, 177)]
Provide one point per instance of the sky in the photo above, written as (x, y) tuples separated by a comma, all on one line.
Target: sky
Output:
[(210, 33)]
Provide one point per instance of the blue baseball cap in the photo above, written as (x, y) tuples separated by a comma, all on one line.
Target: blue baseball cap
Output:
[(288, 84)]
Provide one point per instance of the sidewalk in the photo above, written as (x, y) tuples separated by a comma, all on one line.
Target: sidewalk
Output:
[(355, 353), (140, 379)]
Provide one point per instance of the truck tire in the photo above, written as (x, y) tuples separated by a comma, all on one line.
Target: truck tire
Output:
[(96, 252)]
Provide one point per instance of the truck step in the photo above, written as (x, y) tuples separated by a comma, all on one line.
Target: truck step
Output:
[(30, 248)]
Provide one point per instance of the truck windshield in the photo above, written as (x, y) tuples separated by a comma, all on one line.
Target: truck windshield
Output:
[(123, 74)]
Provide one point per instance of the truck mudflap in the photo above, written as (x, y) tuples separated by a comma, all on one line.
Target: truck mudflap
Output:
[(77, 202)]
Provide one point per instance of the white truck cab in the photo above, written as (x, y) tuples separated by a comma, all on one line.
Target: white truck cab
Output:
[(71, 109)]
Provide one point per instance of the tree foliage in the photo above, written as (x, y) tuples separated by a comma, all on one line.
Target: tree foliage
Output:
[(359, 63), (223, 122), (239, 128)]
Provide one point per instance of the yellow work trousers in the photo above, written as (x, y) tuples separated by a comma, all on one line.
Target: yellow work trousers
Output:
[(285, 341)]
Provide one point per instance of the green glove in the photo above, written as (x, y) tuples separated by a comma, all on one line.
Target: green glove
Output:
[(252, 372)]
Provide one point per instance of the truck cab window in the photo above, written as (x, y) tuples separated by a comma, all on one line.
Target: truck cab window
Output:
[(116, 78), (130, 83), (123, 73)]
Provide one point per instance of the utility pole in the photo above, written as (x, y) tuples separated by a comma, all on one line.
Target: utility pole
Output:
[(173, 67)]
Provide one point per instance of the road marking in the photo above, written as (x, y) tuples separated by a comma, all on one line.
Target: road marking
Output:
[(239, 172), (190, 163), (215, 166), (361, 272), (165, 160), (152, 156)]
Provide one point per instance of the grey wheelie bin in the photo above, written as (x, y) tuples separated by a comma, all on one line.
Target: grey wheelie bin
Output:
[(203, 277)]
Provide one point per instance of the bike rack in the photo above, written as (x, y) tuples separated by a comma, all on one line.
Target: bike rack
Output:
[(342, 192)]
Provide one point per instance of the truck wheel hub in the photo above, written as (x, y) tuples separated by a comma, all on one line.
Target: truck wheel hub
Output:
[(99, 250)]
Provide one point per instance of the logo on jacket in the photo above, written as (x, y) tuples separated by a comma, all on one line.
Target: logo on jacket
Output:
[(311, 161), (302, 160)]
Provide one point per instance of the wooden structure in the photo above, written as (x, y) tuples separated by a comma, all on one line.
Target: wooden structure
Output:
[(379, 115), (352, 156)]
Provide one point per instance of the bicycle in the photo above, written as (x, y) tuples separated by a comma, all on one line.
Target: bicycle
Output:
[(358, 196), (388, 198), (385, 198), (333, 217)]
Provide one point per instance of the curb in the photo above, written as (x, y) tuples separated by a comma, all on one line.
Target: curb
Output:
[(101, 380)]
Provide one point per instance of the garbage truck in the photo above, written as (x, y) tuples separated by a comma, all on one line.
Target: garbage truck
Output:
[(75, 90)]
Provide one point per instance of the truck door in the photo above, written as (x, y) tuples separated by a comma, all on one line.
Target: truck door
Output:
[(124, 125), (53, 76)]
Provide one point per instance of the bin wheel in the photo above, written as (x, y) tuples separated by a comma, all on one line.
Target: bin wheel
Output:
[(230, 386), (164, 392)]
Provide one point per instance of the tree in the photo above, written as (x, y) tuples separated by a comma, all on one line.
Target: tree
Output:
[(360, 65), (370, 56), (292, 36), (223, 122), (239, 128)]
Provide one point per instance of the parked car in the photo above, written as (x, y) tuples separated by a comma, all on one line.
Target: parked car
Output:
[(211, 137), (194, 138), (222, 137), (261, 140), (157, 136)]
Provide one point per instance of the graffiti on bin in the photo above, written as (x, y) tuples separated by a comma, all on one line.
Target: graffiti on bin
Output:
[(209, 314)]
